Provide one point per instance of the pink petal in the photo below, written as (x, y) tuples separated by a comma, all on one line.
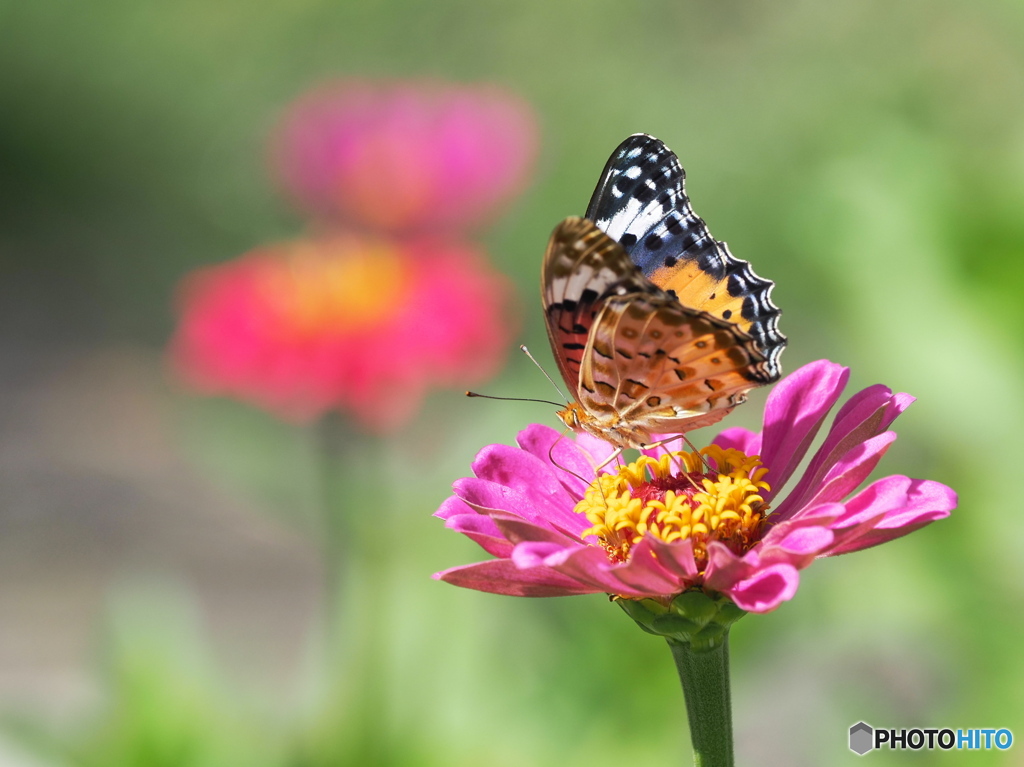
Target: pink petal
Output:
[(561, 454), (866, 400), (533, 553), (486, 497), (797, 543), (868, 413), (482, 531), (844, 536), (805, 541), (725, 569), (517, 530), (500, 576), (767, 589), (753, 583), (645, 571), (452, 506), (589, 565), (642, 576), (799, 546), (740, 439), (824, 515), (519, 470), (677, 558), (597, 449), (793, 414), (842, 478), (901, 504)]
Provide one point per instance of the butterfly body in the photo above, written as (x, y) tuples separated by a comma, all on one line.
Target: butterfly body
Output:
[(661, 330)]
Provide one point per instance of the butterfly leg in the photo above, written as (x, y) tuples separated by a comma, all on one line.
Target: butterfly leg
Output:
[(693, 448), (697, 452), (682, 468), (597, 471), (680, 464), (662, 442), (608, 460)]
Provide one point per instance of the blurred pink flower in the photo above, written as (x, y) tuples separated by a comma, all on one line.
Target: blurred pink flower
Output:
[(359, 324), (405, 156), (672, 522)]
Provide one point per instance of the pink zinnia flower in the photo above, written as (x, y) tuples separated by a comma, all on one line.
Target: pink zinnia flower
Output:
[(359, 324), (668, 523), (405, 156)]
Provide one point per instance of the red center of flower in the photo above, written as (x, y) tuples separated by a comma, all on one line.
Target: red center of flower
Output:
[(688, 483)]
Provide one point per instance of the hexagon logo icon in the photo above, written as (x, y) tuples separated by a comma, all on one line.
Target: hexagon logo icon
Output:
[(861, 738)]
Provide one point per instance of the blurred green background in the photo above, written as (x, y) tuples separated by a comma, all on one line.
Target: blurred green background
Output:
[(160, 581)]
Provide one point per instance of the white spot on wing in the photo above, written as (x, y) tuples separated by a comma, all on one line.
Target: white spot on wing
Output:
[(620, 221)]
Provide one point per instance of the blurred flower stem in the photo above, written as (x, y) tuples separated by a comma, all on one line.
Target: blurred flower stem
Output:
[(704, 673), (334, 526), (354, 555)]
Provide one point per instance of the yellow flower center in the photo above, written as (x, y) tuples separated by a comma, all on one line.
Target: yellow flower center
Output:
[(676, 497), (337, 285)]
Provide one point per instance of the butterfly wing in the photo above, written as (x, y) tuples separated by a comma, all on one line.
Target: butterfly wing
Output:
[(655, 366), (582, 268), (637, 361), (641, 202)]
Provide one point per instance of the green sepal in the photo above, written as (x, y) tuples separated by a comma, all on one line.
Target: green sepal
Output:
[(693, 618)]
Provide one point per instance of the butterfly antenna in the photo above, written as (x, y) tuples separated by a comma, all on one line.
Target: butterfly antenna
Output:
[(542, 370), (513, 399)]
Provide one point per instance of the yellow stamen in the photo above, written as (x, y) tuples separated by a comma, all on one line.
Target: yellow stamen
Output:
[(675, 498)]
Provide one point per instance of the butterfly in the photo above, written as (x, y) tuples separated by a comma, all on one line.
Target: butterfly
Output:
[(656, 327)]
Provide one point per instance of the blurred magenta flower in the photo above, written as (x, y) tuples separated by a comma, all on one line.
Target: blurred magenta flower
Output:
[(669, 522), (360, 324), (405, 156)]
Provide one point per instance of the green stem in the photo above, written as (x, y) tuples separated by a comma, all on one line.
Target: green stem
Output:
[(705, 677)]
